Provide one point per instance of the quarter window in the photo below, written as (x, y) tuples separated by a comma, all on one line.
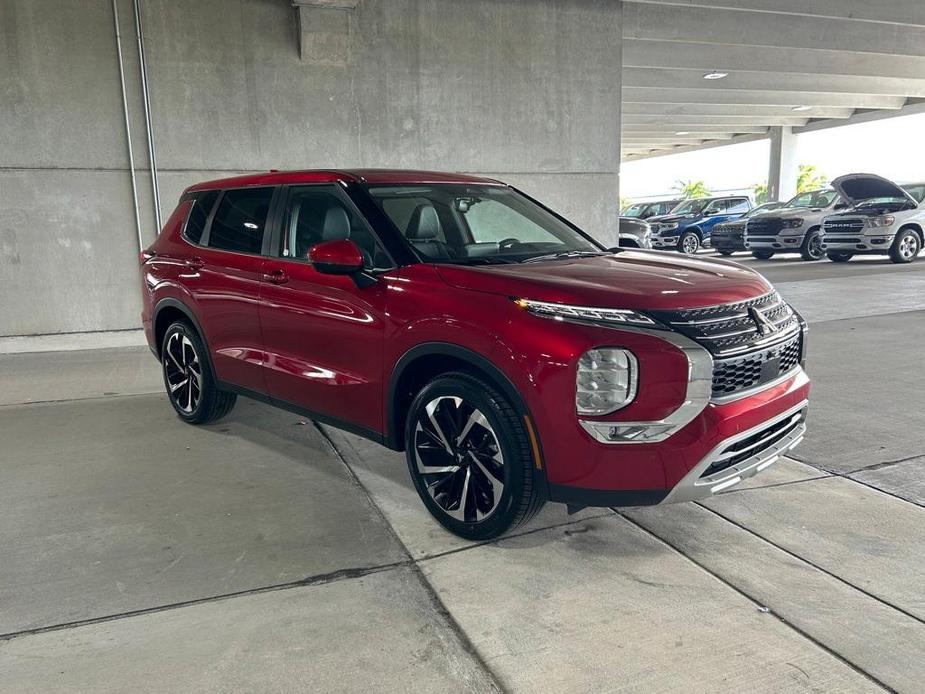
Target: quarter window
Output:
[(199, 214), (240, 220)]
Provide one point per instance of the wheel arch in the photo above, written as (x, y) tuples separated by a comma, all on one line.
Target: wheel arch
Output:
[(168, 311), (695, 229), (917, 228), (421, 364)]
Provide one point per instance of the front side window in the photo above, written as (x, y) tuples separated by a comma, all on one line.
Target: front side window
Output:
[(637, 210), (240, 220), (317, 213), (476, 224), (917, 191), (737, 206), (716, 207), (203, 203), (690, 207)]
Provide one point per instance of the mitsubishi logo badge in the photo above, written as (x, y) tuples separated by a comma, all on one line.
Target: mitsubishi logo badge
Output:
[(765, 326)]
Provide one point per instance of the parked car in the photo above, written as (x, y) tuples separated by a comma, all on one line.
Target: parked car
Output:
[(729, 237), (635, 233), (644, 210), (512, 357), (887, 219), (688, 226), (795, 227)]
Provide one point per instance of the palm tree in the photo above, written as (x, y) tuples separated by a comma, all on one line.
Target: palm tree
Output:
[(809, 179), (760, 191), (692, 189)]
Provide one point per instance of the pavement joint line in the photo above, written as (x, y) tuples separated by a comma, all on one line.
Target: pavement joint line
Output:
[(776, 484), (847, 476), (888, 463), (309, 581), (757, 602), (64, 401), (796, 556), (441, 609)]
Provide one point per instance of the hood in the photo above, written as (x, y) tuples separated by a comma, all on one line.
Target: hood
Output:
[(856, 188), (670, 218), (633, 226), (629, 279), (735, 225)]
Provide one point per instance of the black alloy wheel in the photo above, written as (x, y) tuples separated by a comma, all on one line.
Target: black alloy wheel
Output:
[(188, 377)]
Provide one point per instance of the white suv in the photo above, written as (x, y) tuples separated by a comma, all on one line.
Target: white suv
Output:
[(793, 228), (886, 220)]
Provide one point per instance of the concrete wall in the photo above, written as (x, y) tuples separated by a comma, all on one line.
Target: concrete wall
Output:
[(525, 90)]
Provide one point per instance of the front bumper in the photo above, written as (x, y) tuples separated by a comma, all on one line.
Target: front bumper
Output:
[(727, 243), (665, 241), (779, 243), (857, 243), (724, 445)]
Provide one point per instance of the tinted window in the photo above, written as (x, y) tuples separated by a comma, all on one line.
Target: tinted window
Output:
[(315, 214), (240, 220), (199, 214)]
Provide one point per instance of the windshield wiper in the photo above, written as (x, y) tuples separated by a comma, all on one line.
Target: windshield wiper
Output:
[(563, 255)]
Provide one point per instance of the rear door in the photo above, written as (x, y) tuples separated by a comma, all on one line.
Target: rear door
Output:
[(225, 273), (322, 333)]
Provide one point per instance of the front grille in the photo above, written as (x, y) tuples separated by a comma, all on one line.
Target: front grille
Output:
[(755, 445), (731, 329), (766, 227), (731, 376), (842, 226), (837, 238)]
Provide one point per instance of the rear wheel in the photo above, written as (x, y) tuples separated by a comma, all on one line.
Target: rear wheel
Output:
[(837, 257), (906, 246), (763, 255), (689, 243), (188, 377), (470, 457), (812, 246)]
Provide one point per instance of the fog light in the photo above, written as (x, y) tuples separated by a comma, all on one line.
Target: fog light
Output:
[(606, 380)]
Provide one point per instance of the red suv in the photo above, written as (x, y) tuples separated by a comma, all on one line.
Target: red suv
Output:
[(513, 358)]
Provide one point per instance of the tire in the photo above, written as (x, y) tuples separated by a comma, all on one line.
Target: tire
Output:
[(494, 449), (811, 249), (763, 255), (189, 379), (689, 243), (906, 246), (725, 253), (839, 257)]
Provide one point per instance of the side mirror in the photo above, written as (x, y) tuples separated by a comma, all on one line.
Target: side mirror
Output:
[(840, 206), (342, 257)]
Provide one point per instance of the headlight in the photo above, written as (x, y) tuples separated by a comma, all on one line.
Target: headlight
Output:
[(669, 226), (884, 221), (588, 313), (791, 223), (606, 380)]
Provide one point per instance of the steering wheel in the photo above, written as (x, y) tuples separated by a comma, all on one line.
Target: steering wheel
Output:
[(507, 244)]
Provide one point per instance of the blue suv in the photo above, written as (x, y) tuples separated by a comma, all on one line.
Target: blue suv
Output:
[(687, 227)]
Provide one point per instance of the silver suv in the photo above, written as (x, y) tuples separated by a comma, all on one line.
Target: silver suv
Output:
[(887, 219), (793, 228)]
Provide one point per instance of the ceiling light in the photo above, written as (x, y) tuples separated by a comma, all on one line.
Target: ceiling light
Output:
[(682, 132), (715, 75), (801, 108)]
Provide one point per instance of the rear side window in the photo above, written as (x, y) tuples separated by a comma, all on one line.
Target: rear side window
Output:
[(735, 206), (199, 214), (240, 220)]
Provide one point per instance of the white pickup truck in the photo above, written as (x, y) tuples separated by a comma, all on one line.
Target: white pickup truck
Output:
[(793, 228), (886, 219)]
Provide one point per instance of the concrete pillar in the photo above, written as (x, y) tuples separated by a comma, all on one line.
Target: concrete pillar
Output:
[(782, 172)]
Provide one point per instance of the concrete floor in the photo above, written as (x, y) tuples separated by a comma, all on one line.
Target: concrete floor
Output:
[(265, 553)]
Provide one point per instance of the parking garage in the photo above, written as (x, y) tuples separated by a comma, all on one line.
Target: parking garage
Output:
[(270, 551)]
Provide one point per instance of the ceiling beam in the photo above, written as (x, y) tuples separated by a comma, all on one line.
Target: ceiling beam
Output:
[(692, 148), (758, 97), (633, 129), (862, 117), (683, 23), (730, 110), (687, 122), (694, 55), (685, 78)]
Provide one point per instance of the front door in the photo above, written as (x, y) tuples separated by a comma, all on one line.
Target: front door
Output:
[(323, 335)]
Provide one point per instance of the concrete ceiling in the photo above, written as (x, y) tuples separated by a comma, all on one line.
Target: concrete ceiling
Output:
[(846, 60)]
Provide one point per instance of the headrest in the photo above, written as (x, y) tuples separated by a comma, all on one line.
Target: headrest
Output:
[(424, 223), (336, 225)]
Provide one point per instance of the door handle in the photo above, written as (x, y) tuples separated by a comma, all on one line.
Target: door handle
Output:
[(195, 263), (275, 277)]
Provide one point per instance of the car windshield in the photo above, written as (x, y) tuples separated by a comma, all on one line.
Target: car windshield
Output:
[(636, 210), (690, 207), (767, 207), (917, 191), (478, 224), (815, 198)]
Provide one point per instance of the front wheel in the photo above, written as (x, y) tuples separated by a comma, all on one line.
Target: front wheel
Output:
[(689, 243), (470, 457), (763, 255), (836, 257), (906, 246), (812, 246), (188, 377)]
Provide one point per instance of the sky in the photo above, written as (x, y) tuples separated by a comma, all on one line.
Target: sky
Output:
[(892, 147)]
